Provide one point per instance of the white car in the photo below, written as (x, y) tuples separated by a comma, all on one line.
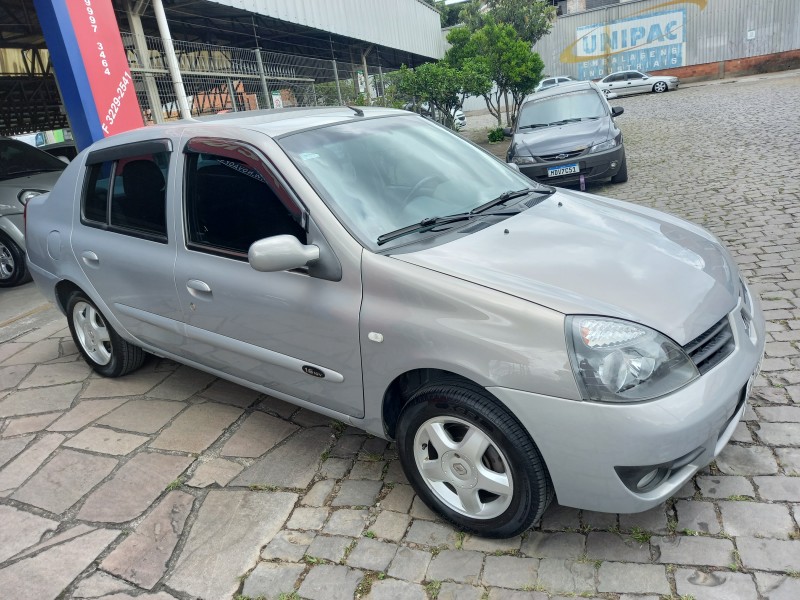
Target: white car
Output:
[(636, 82), (551, 81)]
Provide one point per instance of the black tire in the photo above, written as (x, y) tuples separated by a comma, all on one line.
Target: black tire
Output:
[(622, 174), (659, 87), (465, 409), (111, 357), (13, 270)]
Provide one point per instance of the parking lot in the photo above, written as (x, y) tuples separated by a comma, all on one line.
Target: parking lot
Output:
[(171, 484)]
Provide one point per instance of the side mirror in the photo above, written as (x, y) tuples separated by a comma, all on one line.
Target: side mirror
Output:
[(514, 166), (63, 159), (507, 131), (617, 111), (280, 253)]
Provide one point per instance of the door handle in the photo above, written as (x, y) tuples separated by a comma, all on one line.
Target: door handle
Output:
[(197, 287), (90, 258)]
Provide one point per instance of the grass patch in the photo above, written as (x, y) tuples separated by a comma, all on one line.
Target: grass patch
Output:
[(640, 535)]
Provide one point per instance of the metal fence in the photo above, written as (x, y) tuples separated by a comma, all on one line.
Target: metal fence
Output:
[(223, 79)]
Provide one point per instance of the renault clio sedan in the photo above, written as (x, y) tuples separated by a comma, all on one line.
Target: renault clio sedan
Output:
[(637, 82), (516, 341), (567, 134)]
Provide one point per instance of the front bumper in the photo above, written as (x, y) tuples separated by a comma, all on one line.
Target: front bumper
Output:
[(583, 442), (592, 167)]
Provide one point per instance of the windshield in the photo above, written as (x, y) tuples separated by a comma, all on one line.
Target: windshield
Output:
[(379, 175), (585, 104), (18, 159)]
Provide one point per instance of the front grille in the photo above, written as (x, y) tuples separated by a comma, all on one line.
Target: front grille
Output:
[(711, 347), (561, 155)]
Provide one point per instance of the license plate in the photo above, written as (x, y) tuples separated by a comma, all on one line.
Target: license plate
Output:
[(563, 170)]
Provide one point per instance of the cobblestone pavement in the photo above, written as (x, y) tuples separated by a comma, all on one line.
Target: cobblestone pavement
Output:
[(169, 484)]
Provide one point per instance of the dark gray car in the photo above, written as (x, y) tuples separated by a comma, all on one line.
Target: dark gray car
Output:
[(567, 133)]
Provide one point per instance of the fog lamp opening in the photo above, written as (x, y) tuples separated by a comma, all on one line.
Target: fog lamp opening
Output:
[(614, 164)]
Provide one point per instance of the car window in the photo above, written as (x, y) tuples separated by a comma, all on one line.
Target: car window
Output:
[(229, 204), (634, 75), (583, 104), (18, 159), (548, 82), (128, 195), (615, 78)]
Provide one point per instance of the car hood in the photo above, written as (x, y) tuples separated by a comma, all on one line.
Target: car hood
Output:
[(10, 188), (562, 138), (582, 254)]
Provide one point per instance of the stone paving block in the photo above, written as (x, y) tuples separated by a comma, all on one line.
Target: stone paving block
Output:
[(56, 374), (742, 460), (374, 446), (392, 589), (756, 519), (133, 488), (319, 493), (39, 400), (106, 441), (258, 433), (431, 534), (54, 328), (779, 414), (504, 594), (64, 480), (309, 418), (84, 413), (539, 544), (142, 557), (347, 446), (357, 493), (347, 522), (717, 585), (420, 510), (184, 383), (21, 530), (24, 425), (653, 520), (778, 488), (26, 463), (597, 520), (632, 578), (693, 550), (616, 547), (134, 384), (365, 469), (510, 572), (335, 468), (724, 486), (459, 591), (330, 582), (491, 546), (308, 518), (742, 434), (11, 376), (789, 459), (391, 525), (371, 555), (697, 516), (228, 392), (142, 416), (46, 575), (769, 554), (399, 498), (558, 517), (332, 548), (239, 523), (134, 596), (395, 474), (779, 434), (410, 564), (36, 353), (58, 538), (288, 545), (10, 448), (277, 407), (272, 581), (461, 566), (8, 349), (215, 471), (99, 584), (292, 464), (196, 428), (778, 587), (566, 576)]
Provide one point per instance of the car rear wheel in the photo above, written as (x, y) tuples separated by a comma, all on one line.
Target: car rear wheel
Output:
[(471, 461), (622, 174), (659, 87), (101, 346), (13, 270)]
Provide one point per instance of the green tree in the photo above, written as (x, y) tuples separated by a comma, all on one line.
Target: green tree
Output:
[(531, 19)]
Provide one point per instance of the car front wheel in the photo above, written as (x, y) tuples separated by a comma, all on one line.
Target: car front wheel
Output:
[(471, 461), (659, 87), (101, 346), (13, 270)]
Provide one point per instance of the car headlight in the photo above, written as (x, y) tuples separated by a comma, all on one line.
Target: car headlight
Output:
[(607, 145), (26, 195), (523, 160), (620, 361)]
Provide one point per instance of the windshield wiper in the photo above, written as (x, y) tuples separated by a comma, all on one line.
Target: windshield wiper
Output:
[(30, 172), (510, 195), (565, 121), (430, 222), (534, 125)]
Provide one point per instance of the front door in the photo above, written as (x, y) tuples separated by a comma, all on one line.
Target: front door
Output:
[(287, 331)]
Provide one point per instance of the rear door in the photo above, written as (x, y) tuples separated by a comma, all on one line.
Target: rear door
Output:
[(124, 242)]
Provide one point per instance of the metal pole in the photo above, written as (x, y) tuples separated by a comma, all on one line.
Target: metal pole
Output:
[(366, 77), (383, 85), (172, 61), (338, 89), (143, 53), (263, 74), (232, 95)]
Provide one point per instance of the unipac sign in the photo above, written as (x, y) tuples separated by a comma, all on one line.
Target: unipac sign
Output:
[(91, 67)]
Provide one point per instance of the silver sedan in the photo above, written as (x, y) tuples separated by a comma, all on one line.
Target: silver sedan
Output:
[(636, 82)]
